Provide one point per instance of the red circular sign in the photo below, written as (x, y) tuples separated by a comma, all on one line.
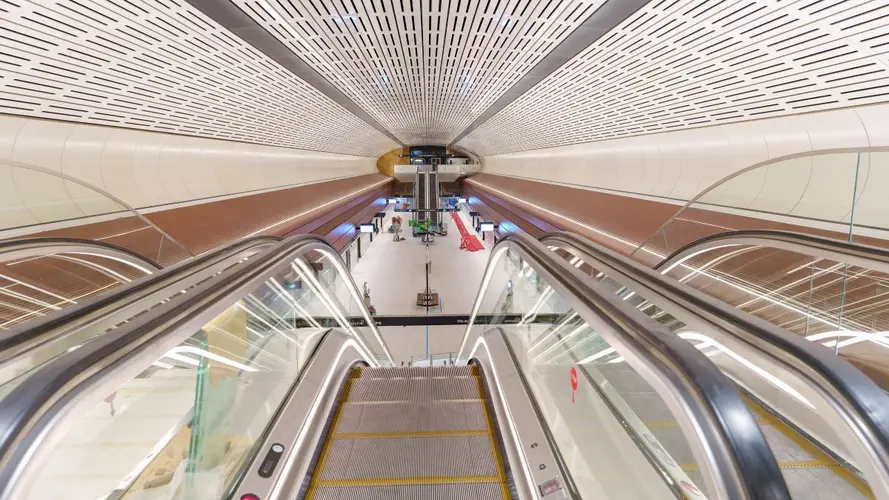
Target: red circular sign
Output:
[(573, 378)]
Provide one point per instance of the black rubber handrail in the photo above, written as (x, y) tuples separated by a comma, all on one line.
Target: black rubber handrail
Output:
[(725, 437), (38, 406), (863, 406)]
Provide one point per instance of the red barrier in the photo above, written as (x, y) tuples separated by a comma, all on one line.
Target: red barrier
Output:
[(468, 240)]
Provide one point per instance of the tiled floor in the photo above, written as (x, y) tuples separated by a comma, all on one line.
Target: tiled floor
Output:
[(395, 273)]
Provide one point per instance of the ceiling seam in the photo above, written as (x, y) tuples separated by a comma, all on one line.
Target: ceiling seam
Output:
[(227, 15), (604, 19)]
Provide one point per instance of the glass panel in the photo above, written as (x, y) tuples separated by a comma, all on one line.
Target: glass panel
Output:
[(615, 433), (184, 426), (826, 301), (34, 204), (15, 369), (802, 294), (49, 198)]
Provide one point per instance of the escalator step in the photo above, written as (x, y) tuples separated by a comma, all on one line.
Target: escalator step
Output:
[(412, 417)]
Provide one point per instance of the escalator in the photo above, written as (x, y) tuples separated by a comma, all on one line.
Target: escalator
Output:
[(416, 432), (239, 389), (28, 346), (811, 466)]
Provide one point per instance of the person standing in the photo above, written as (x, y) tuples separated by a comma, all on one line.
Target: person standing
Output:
[(396, 224)]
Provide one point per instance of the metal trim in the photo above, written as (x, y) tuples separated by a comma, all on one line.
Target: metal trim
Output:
[(869, 257), (513, 400), (301, 420), (856, 402), (600, 22), (35, 415), (724, 436)]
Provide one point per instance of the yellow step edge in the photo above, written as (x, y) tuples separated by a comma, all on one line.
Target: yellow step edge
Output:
[(807, 464), (414, 402), (405, 481), (791, 464), (384, 435), (325, 449), (495, 448), (819, 455)]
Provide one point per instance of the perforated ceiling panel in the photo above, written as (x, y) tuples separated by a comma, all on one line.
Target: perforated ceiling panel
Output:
[(422, 68), (689, 63), (161, 65)]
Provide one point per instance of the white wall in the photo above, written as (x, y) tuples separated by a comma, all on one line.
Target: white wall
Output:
[(810, 165), (144, 169)]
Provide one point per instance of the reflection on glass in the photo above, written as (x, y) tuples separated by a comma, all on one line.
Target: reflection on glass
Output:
[(838, 305), (184, 427), (615, 424), (803, 296)]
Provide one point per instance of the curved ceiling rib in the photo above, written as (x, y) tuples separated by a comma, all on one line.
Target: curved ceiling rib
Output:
[(163, 67), (233, 19), (423, 69), (682, 64)]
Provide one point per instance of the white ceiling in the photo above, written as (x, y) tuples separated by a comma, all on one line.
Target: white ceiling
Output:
[(163, 66), (693, 63), (424, 69)]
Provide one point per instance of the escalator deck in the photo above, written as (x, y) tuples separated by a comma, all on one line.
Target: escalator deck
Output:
[(411, 433)]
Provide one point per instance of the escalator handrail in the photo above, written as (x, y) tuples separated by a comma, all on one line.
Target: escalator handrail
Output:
[(21, 339), (865, 256), (23, 248), (43, 405), (725, 438), (862, 404)]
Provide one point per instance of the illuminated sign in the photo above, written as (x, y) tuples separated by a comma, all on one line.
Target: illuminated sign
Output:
[(366, 228), (486, 226)]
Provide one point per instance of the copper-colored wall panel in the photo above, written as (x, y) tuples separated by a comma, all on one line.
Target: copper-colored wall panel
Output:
[(793, 291), (210, 225)]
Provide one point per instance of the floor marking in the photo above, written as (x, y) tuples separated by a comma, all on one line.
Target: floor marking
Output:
[(408, 434), (819, 455), (414, 403), (405, 481), (495, 449)]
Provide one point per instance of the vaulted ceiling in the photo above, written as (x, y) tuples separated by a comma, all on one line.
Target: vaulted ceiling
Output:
[(424, 69), (490, 76)]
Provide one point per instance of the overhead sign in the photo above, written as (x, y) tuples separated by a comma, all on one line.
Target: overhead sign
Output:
[(486, 227), (367, 228)]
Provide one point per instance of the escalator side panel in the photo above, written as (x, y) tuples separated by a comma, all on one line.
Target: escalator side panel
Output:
[(301, 422)]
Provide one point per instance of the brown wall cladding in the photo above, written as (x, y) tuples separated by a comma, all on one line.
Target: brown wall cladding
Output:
[(851, 296), (61, 282), (620, 222), (627, 219), (338, 225), (210, 225), (493, 209)]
